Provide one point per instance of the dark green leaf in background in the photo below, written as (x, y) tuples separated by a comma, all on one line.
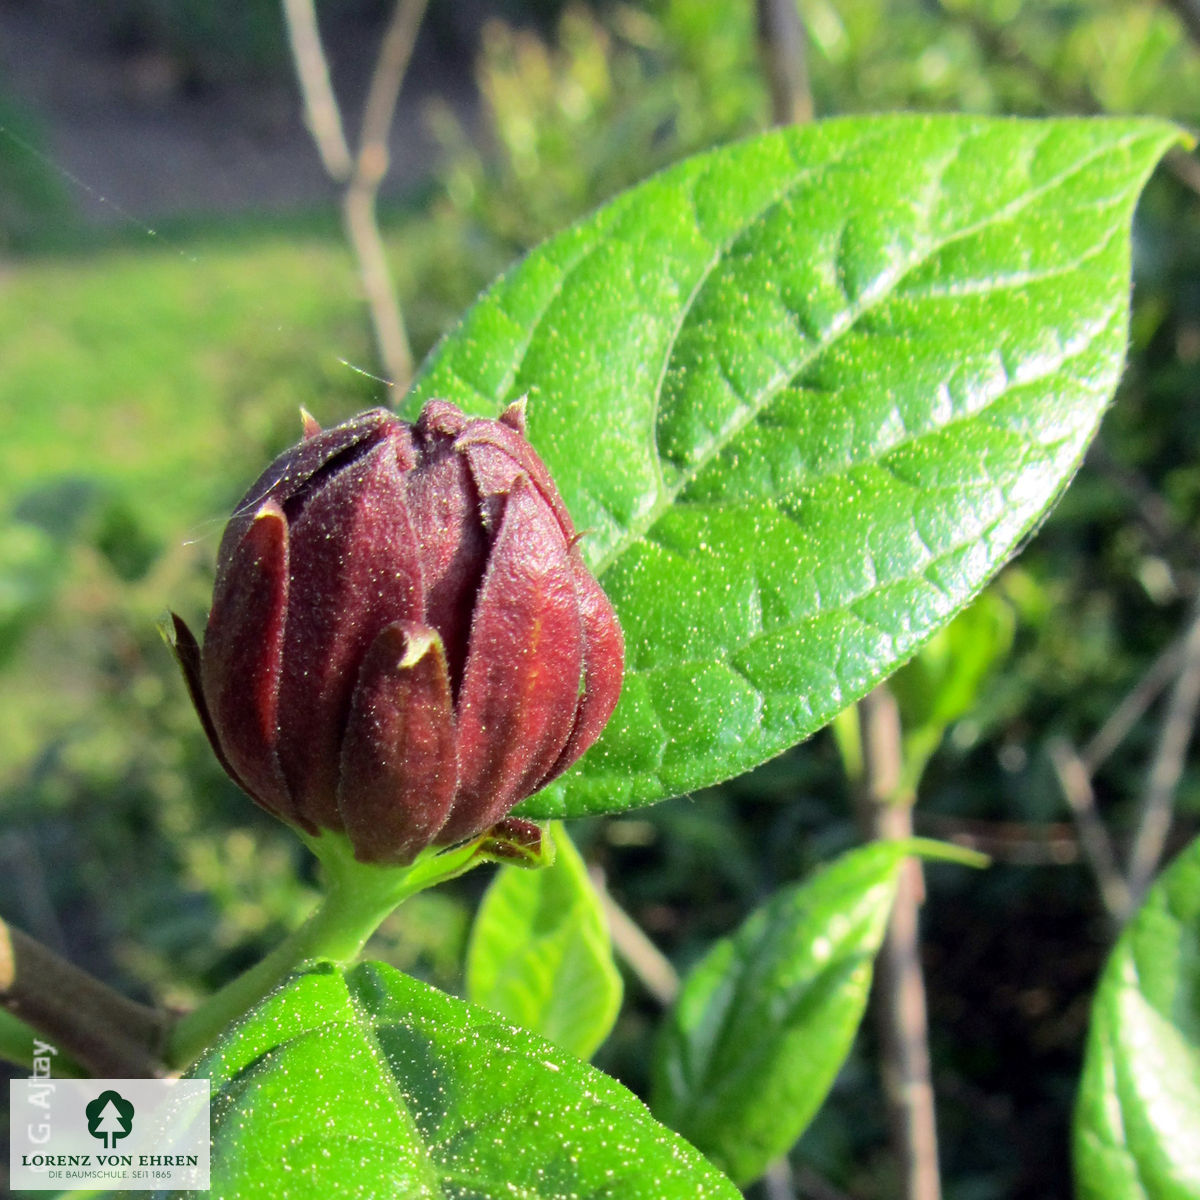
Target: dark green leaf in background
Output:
[(367, 1084), (766, 1019), (942, 683), (540, 954), (806, 394), (1137, 1122)]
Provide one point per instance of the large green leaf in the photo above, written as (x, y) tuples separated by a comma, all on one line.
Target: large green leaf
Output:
[(540, 953), (365, 1083), (1137, 1123), (767, 1017), (805, 394)]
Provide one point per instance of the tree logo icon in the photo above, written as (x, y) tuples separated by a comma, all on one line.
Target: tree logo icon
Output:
[(109, 1117)]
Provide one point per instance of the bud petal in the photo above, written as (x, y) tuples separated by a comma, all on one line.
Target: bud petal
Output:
[(354, 570), (187, 654), (399, 771), (293, 474), (444, 505), (242, 659), (603, 668), (521, 685), (498, 454)]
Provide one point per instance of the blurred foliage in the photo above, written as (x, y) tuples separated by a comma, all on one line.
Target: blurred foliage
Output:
[(145, 382), (31, 194), (209, 43)]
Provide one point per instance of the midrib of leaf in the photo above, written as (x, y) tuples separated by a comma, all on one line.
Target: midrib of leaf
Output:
[(736, 1067), (664, 490), (751, 410), (368, 1028)]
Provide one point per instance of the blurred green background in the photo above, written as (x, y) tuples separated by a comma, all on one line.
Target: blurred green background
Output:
[(151, 364)]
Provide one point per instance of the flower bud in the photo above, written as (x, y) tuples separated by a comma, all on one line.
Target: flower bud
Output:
[(404, 642)]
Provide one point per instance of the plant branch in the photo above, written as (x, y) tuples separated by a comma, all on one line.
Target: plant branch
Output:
[(102, 1031), (899, 989), (358, 898), (395, 53), (1120, 722), (778, 1183), (782, 48), (361, 171), (322, 115), (1075, 780), (1027, 843), (652, 969), (1166, 766)]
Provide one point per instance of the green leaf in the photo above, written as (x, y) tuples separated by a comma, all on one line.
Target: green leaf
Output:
[(765, 1020), (942, 683), (365, 1083), (1137, 1121), (805, 394), (540, 954)]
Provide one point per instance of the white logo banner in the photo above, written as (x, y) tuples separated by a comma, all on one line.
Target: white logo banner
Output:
[(115, 1134)]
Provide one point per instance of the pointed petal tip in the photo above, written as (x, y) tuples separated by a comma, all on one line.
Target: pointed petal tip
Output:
[(170, 627), (183, 645), (514, 415), (309, 423), (417, 645), (269, 509)]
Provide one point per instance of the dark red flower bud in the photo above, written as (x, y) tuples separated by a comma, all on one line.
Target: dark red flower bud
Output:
[(404, 641)]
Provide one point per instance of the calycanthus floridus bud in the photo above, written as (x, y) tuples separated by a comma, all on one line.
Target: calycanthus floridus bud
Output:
[(404, 641)]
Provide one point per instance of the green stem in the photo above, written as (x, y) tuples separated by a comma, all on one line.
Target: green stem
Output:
[(358, 898)]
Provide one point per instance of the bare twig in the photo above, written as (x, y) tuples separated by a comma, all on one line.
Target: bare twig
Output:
[(783, 47), (99, 1028), (899, 988), (778, 1182), (649, 965), (320, 105), (1125, 716), (362, 171), (1026, 843), (395, 52), (1166, 766), (1076, 784)]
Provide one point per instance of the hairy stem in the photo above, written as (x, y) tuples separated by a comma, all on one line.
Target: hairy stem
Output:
[(103, 1032), (1094, 839), (358, 898), (899, 988), (782, 48)]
